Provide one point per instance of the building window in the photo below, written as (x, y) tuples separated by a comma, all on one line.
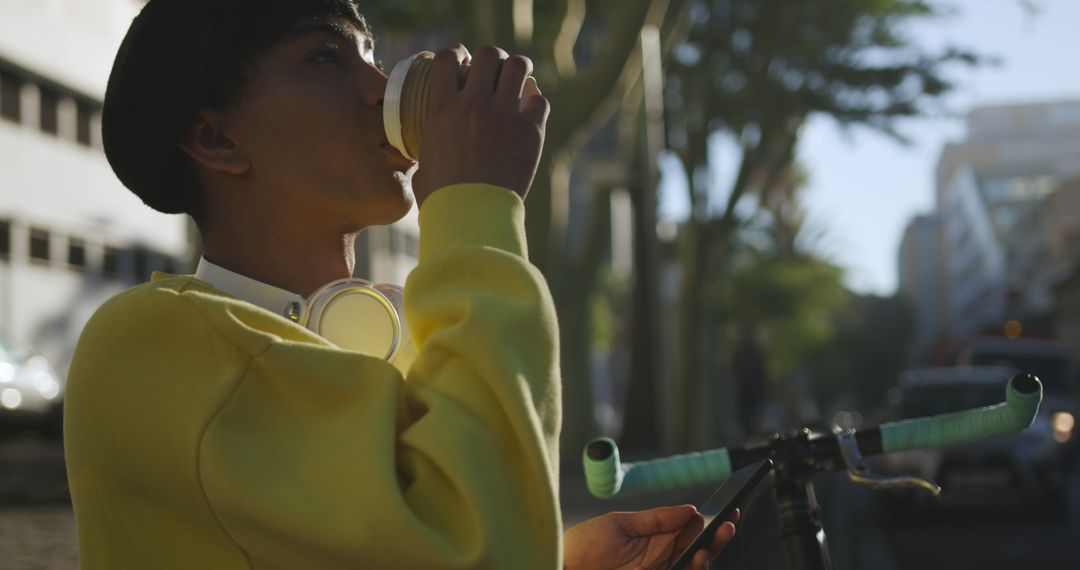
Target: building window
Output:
[(170, 266), (77, 254), (84, 119), (396, 242), (141, 260), (362, 267), (5, 239), (110, 263), (50, 111), (39, 245), (10, 96)]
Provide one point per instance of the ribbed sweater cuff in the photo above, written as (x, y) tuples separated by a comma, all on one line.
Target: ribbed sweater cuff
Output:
[(472, 215)]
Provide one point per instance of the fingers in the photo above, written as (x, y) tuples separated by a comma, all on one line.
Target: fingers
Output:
[(660, 520), (534, 106), (700, 561), (493, 71), (720, 539), (528, 90), (446, 70), (512, 78), (688, 534), (484, 75)]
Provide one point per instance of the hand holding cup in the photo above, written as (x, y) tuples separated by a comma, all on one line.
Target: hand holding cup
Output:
[(488, 130)]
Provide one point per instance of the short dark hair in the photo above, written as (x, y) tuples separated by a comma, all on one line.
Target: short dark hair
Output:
[(178, 57)]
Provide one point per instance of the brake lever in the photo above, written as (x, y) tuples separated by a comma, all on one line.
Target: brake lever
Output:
[(859, 473)]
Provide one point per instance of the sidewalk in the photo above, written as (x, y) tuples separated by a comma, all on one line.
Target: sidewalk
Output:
[(38, 538)]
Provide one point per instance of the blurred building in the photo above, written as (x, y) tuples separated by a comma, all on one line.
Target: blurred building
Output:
[(921, 280), (386, 254), (71, 235), (993, 195), (1063, 229)]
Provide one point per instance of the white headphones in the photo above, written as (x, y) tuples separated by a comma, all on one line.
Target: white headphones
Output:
[(354, 314), (358, 315)]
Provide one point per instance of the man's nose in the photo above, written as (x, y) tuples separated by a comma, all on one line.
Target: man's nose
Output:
[(374, 88)]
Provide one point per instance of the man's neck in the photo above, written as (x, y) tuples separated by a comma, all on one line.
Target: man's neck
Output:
[(287, 256)]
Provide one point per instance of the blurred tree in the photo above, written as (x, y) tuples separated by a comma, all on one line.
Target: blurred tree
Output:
[(777, 309), (790, 302), (583, 96), (588, 60), (754, 71), (867, 353)]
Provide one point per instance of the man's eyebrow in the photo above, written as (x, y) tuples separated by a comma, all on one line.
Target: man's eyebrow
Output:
[(347, 31)]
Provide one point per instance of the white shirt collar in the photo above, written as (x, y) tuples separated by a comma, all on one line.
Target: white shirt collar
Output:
[(273, 299)]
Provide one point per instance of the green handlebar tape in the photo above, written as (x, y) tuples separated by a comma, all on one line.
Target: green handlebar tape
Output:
[(607, 476), (1016, 413)]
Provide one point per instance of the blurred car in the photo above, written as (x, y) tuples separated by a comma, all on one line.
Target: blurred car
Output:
[(1048, 359), (1025, 471), (31, 394)]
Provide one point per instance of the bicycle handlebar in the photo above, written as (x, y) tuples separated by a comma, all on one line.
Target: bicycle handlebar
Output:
[(607, 476), (1022, 397)]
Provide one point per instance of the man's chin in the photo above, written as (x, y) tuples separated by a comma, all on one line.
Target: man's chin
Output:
[(404, 181), (397, 203)]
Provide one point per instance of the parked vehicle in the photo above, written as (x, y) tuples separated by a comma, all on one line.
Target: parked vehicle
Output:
[(1052, 362), (1048, 359), (31, 394), (1022, 472)]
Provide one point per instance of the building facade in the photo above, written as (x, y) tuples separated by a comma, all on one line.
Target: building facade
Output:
[(993, 195), (71, 235), (920, 280)]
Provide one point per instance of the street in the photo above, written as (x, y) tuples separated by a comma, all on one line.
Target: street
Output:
[(37, 530)]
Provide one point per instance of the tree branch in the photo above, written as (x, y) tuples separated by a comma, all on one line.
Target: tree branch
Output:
[(569, 31), (493, 22), (589, 96)]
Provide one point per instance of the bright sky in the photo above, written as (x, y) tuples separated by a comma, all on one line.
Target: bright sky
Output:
[(864, 187)]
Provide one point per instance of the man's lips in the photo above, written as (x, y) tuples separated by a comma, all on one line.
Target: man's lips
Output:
[(395, 154)]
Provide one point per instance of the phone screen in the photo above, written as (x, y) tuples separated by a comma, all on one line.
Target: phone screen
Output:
[(731, 494)]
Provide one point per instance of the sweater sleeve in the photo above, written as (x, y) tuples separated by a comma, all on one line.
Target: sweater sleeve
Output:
[(322, 458)]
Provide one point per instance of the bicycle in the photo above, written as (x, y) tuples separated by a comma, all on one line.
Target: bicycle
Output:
[(798, 458)]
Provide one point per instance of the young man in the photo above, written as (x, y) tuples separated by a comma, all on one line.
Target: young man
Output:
[(205, 428)]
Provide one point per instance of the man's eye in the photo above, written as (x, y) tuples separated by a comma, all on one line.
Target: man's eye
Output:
[(326, 56)]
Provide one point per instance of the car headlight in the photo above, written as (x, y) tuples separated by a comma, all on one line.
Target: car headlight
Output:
[(11, 399), (1063, 423), (46, 386)]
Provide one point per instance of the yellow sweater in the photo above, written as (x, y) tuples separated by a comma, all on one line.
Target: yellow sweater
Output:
[(204, 432)]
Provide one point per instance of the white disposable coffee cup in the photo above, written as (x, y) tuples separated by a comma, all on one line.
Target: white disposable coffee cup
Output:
[(405, 101)]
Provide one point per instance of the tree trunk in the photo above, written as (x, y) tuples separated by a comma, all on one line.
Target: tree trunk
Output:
[(643, 427), (575, 326), (685, 382)]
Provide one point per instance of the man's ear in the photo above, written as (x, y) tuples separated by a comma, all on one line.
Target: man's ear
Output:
[(207, 144)]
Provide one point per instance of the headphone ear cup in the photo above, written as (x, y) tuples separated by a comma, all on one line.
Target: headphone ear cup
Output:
[(354, 316), (406, 352)]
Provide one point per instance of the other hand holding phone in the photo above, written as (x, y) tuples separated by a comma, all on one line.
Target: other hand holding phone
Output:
[(645, 540)]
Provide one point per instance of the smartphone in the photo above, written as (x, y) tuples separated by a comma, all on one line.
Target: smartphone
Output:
[(732, 494)]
